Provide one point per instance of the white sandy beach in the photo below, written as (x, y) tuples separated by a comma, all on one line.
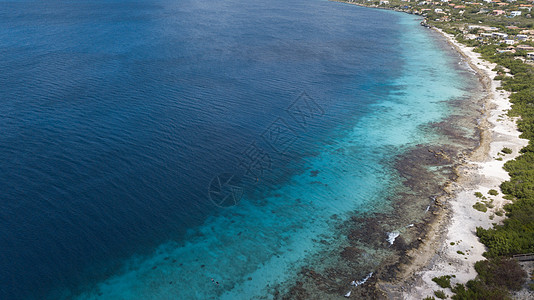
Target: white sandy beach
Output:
[(480, 173)]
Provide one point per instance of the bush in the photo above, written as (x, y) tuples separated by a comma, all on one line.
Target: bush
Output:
[(480, 207), (443, 281), (501, 272), (476, 290), (440, 294), (493, 192), (506, 150), (478, 195)]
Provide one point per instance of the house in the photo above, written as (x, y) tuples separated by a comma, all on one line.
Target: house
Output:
[(530, 55), (524, 47), (515, 13), (509, 41), (438, 10), (498, 12), (522, 37), (485, 35), (470, 36), (499, 35)]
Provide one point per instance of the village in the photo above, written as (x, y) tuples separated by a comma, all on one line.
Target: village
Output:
[(507, 25)]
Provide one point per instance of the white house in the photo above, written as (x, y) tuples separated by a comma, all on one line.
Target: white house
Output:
[(522, 37), (509, 42), (499, 35), (515, 13)]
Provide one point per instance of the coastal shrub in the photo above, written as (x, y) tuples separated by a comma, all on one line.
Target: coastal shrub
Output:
[(429, 298), (506, 150), (477, 290), (480, 207), (440, 294), (501, 272), (478, 195), (493, 192), (513, 237), (460, 252), (443, 281), (499, 213)]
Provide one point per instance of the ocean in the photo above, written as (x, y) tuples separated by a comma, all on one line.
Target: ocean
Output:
[(184, 149)]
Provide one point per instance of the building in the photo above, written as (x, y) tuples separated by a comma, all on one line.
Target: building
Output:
[(530, 55), (509, 41), (524, 47), (515, 13), (499, 35)]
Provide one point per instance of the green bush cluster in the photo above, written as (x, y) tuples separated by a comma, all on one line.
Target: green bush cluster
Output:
[(506, 150), (440, 294), (443, 281), (495, 278), (480, 207)]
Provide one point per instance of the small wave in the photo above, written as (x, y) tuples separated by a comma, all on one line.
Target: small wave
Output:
[(357, 283), (392, 236)]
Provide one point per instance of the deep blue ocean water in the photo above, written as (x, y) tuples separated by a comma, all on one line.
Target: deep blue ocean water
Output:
[(117, 116)]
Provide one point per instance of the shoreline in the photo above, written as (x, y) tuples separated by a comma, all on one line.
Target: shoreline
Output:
[(454, 227), (429, 172), (479, 173), (453, 230)]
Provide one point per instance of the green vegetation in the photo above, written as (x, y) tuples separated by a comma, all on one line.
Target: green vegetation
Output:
[(480, 207), (479, 195), (506, 150), (443, 281), (460, 252), (440, 294), (493, 192)]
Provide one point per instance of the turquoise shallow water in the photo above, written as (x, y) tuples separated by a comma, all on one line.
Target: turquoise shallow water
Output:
[(118, 115), (261, 243)]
